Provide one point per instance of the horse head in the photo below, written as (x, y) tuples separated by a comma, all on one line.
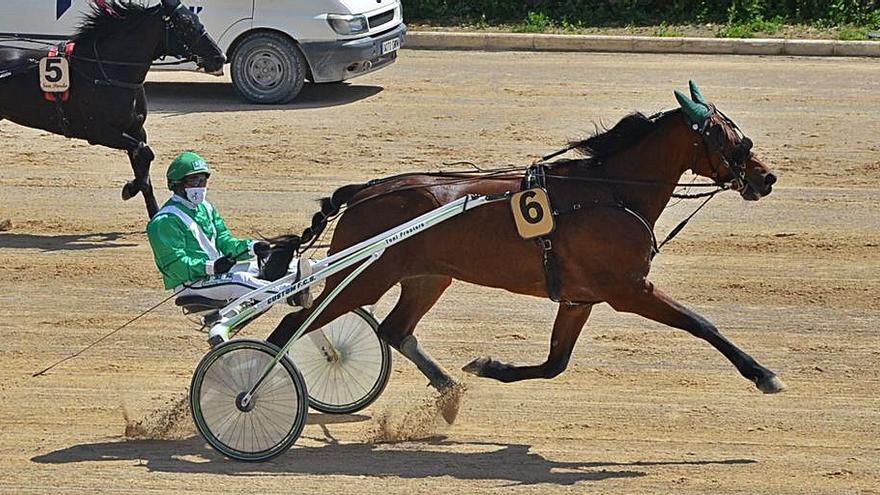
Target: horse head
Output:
[(726, 155), (188, 39)]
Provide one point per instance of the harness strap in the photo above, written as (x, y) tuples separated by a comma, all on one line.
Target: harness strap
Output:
[(536, 176), (113, 83), (66, 48), (26, 66), (655, 249), (551, 270)]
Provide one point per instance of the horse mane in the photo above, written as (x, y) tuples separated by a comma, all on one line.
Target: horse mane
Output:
[(628, 132), (115, 16)]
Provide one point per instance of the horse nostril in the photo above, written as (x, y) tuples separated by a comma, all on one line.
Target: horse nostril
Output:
[(770, 179)]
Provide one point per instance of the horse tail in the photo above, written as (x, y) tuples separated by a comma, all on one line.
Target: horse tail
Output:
[(330, 207)]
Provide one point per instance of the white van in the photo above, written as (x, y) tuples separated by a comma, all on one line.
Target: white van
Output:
[(272, 45)]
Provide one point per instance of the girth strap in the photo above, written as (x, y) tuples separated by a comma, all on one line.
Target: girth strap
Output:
[(66, 49), (536, 177)]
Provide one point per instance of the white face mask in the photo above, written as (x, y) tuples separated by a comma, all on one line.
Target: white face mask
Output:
[(196, 195)]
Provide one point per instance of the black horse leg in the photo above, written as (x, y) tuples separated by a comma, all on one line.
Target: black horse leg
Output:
[(141, 156), (570, 321), (653, 304)]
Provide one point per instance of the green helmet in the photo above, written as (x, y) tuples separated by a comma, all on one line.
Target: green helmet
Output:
[(186, 163)]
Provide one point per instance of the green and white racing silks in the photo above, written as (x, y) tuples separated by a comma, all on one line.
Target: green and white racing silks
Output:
[(187, 240)]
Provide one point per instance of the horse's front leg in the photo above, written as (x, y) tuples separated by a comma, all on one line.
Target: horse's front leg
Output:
[(570, 320), (648, 301), (141, 156), (127, 133)]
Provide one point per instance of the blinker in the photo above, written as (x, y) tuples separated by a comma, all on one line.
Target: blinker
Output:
[(742, 150)]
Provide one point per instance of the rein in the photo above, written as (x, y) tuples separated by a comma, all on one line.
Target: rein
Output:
[(510, 173), (31, 62), (655, 246), (107, 81), (113, 332), (168, 28), (678, 228)]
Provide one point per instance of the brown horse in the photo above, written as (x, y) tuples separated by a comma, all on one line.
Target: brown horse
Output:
[(606, 207)]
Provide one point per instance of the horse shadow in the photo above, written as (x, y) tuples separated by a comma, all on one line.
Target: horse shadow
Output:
[(177, 98), (65, 242), (515, 464)]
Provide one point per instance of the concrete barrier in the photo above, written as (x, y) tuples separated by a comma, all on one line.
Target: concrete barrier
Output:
[(439, 40)]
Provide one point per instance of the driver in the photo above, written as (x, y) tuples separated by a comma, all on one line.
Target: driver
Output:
[(196, 253)]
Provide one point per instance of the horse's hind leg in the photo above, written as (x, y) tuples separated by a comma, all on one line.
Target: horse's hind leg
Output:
[(569, 322), (653, 304), (417, 296)]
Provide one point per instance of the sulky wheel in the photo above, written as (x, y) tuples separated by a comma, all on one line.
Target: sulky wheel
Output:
[(350, 374), (269, 423)]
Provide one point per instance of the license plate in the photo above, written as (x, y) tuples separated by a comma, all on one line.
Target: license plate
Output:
[(391, 45)]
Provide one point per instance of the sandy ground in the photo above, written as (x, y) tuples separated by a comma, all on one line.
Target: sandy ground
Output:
[(641, 409)]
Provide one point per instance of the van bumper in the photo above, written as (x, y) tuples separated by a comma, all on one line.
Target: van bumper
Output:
[(332, 61)]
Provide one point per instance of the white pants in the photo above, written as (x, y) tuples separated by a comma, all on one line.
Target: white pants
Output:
[(238, 281)]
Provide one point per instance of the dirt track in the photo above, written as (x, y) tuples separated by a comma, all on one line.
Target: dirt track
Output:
[(641, 409)]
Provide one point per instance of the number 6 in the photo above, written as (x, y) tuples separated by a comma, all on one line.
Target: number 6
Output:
[(531, 209), (532, 213)]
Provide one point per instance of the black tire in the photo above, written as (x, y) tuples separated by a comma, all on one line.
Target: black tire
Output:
[(268, 68), (362, 372), (223, 375)]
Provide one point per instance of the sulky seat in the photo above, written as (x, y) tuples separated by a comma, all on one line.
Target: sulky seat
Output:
[(198, 304)]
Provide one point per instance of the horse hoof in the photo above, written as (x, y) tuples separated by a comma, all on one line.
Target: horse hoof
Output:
[(129, 191), (450, 401), (771, 385), (477, 366)]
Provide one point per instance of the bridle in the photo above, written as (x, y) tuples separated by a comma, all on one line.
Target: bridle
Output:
[(178, 24), (181, 24), (714, 140)]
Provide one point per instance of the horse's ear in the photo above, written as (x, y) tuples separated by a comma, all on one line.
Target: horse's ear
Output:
[(696, 94), (170, 5), (696, 113), (102, 4)]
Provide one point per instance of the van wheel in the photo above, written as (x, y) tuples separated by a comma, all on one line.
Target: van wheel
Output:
[(268, 68)]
